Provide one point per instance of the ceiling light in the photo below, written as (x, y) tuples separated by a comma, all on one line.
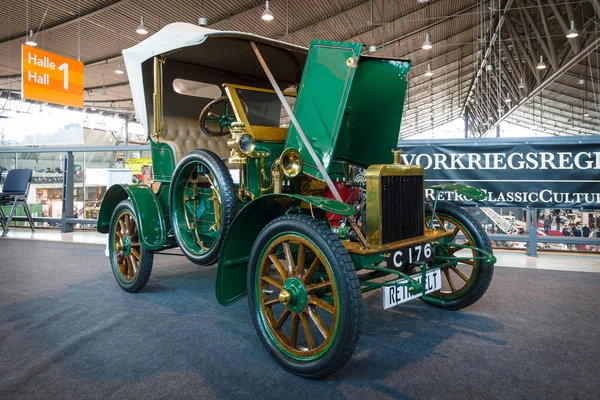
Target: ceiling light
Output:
[(426, 44), (202, 21), (372, 49), (572, 33), (489, 68), (429, 72), (30, 41), (581, 81), (507, 100), (267, 15), (586, 114), (141, 29), (521, 84), (103, 93), (118, 70), (541, 65)]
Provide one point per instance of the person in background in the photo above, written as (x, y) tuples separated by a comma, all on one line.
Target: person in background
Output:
[(547, 224), (577, 230), (558, 222), (567, 232), (586, 231)]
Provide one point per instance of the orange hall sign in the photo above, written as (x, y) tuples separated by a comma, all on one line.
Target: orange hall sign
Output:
[(51, 78)]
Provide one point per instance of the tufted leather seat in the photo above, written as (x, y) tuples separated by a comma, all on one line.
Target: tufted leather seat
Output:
[(184, 135)]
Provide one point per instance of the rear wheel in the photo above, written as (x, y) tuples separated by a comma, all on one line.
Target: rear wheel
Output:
[(467, 278), (203, 203), (304, 296), (131, 262)]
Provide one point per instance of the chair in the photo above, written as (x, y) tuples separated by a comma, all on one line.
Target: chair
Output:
[(1, 212), (15, 191)]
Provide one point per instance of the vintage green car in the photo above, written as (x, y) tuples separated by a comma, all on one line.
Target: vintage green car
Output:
[(280, 163)]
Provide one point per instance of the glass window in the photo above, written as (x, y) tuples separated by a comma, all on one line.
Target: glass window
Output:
[(265, 109), (197, 89)]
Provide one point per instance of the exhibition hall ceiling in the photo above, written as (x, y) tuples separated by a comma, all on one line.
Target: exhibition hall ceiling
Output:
[(484, 57)]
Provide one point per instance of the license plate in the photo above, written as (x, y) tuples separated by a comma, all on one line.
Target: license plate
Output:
[(419, 253), (394, 295)]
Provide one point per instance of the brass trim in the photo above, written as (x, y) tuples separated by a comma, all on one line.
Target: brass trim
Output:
[(259, 132), (291, 162), (255, 89), (430, 235), (284, 297), (373, 186), (397, 158), (157, 97)]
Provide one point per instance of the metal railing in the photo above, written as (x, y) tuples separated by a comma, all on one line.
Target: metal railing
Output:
[(67, 219)]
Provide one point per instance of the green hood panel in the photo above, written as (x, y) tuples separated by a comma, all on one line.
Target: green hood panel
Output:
[(349, 106)]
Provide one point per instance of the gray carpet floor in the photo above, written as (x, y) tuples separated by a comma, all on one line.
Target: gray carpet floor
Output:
[(67, 331)]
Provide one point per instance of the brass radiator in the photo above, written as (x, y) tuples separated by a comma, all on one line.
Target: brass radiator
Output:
[(395, 203)]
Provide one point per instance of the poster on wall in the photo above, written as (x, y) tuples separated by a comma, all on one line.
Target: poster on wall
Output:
[(556, 172)]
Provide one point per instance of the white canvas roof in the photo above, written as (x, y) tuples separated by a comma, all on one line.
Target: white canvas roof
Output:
[(183, 35)]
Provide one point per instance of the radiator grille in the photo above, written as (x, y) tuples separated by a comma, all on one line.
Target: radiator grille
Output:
[(401, 207)]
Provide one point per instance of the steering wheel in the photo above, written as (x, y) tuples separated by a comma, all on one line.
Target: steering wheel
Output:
[(219, 114)]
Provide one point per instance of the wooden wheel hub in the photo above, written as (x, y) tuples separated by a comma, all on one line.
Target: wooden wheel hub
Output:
[(294, 295), (126, 246)]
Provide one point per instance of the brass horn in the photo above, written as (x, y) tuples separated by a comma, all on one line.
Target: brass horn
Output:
[(291, 162)]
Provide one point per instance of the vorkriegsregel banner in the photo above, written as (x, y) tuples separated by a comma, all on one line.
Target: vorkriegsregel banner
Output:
[(561, 172)]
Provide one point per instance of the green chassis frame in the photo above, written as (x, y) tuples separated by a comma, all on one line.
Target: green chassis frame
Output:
[(415, 287), (441, 261)]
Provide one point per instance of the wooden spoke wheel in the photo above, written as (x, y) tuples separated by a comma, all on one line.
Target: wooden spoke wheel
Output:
[(467, 278), (202, 203), (131, 262), (304, 296)]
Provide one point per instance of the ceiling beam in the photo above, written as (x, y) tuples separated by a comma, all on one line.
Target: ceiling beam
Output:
[(592, 46), (488, 51), (427, 27), (85, 15), (574, 43)]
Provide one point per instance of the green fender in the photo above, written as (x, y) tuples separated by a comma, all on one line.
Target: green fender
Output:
[(234, 255), (465, 190), (148, 213)]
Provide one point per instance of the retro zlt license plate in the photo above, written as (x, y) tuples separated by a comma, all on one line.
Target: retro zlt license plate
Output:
[(394, 295)]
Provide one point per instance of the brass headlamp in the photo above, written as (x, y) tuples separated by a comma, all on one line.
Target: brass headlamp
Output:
[(241, 143)]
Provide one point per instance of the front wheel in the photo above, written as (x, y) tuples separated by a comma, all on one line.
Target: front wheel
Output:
[(467, 278), (304, 296), (131, 262)]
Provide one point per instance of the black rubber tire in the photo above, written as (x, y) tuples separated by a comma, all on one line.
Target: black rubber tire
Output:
[(350, 296), (485, 271), (229, 203), (147, 256)]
